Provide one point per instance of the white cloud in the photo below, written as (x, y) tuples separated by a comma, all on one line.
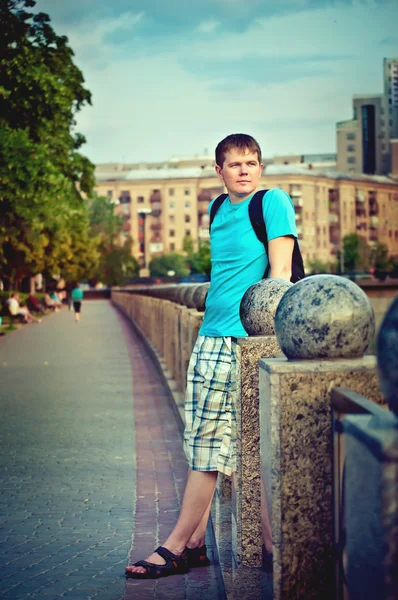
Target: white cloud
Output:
[(149, 108), (208, 26)]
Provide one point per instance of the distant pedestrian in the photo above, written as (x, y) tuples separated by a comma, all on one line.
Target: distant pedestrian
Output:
[(77, 297)]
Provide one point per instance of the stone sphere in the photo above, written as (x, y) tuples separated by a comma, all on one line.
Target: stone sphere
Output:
[(181, 293), (387, 356), (174, 293), (188, 296), (199, 297), (324, 316), (259, 304)]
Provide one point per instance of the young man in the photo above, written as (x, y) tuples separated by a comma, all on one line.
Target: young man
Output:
[(238, 262)]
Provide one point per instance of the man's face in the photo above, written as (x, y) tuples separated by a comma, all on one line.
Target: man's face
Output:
[(240, 172)]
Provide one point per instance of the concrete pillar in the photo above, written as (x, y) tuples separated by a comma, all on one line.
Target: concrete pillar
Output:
[(246, 483), (296, 465)]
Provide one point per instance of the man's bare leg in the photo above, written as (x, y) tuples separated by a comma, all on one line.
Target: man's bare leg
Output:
[(198, 494), (197, 539)]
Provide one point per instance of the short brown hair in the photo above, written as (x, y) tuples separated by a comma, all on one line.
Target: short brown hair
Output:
[(236, 140)]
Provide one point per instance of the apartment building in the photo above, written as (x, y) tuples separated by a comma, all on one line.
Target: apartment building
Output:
[(160, 207)]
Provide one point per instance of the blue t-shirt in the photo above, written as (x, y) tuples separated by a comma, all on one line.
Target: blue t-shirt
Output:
[(238, 258)]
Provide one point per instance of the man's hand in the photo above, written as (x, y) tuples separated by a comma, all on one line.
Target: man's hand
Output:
[(280, 251)]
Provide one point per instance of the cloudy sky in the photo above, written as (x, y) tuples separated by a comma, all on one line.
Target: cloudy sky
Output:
[(172, 78)]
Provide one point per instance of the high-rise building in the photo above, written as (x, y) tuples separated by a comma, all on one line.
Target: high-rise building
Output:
[(391, 96), (363, 143)]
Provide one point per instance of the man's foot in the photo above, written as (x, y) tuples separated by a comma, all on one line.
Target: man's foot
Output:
[(161, 563), (197, 557)]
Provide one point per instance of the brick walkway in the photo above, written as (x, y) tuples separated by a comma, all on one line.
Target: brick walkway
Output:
[(90, 460), (161, 474)]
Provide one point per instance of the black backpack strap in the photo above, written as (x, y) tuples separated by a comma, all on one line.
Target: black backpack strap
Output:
[(215, 206), (257, 217)]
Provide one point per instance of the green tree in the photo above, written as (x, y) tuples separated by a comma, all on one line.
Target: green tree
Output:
[(200, 262), (116, 265), (317, 266), (161, 265), (357, 253), (379, 257), (42, 173), (187, 245)]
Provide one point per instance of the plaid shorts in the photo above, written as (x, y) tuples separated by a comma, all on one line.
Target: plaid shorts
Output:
[(210, 419)]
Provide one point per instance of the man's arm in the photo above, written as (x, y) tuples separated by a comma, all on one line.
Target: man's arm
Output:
[(280, 252)]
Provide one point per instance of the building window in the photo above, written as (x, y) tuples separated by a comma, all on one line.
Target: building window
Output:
[(350, 148), (140, 199), (172, 246), (351, 160), (110, 194), (171, 191), (187, 218), (171, 205), (172, 233), (187, 204), (171, 219), (350, 136), (187, 232), (187, 192)]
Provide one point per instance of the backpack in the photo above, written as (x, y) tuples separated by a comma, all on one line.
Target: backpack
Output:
[(257, 220)]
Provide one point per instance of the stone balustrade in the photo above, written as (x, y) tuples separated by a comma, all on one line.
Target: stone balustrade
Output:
[(281, 498)]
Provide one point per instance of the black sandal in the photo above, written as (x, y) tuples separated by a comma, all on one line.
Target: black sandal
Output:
[(197, 557), (175, 565)]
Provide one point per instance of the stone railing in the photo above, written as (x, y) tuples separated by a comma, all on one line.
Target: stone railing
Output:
[(304, 340), (170, 317)]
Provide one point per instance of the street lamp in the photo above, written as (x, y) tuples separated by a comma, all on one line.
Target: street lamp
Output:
[(144, 212)]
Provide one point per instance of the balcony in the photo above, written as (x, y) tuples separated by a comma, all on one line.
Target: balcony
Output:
[(156, 226), (204, 233), (298, 208), (333, 218), (124, 198), (155, 196), (373, 235), (374, 222), (205, 196), (373, 209), (360, 211), (372, 196), (126, 226), (203, 206), (333, 195), (156, 212), (359, 195)]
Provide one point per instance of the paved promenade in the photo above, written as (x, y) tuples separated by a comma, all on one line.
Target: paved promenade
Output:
[(91, 463)]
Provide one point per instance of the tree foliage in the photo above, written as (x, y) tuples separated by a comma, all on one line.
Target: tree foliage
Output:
[(199, 262), (44, 218), (356, 252), (115, 265), (173, 262)]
